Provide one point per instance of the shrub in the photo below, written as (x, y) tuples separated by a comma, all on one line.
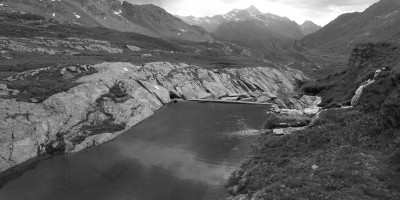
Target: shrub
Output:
[(314, 88)]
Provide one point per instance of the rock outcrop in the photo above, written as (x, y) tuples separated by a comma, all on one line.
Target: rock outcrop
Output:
[(287, 121), (53, 46), (120, 95)]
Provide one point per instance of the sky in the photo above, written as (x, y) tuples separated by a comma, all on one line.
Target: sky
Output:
[(320, 12)]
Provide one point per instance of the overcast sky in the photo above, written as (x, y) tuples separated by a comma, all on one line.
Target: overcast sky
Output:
[(319, 11)]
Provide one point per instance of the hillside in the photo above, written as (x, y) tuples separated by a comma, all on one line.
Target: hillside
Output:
[(23, 37), (379, 22), (110, 14), (365, 60), (162, 23), (345, 152), (251, 33)]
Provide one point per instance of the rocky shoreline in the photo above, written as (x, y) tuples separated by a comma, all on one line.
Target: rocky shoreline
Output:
[(117, 96)]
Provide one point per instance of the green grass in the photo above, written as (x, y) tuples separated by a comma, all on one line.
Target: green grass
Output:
[(43, 85), (357, 158), (339, 88)]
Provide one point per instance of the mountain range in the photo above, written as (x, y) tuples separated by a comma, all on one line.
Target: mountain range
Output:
[(248, 27), (77, 73), (281, 25), (144, 19), (253, 28)]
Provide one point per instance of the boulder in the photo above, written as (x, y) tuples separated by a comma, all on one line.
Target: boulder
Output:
[(231, 94), (250, 99), (205, 96), (3, 87), (187, 95), (275, 108), (287, 118), (4, 93), (133, 48), (270, 95), (264, 99), (229, 98), (287, 131), (311, 111)]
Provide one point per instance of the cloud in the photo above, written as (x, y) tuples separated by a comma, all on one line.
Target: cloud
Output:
[(324, 3), (318, 11)]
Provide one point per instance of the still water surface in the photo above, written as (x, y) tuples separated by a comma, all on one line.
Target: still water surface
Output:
[(184, 152)]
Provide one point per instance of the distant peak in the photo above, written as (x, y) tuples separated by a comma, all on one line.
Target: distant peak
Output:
[(309, 23), (253, 9)]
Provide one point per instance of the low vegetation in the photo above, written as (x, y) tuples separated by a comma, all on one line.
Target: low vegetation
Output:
[(338, 89), (39, 87), (345, 154)]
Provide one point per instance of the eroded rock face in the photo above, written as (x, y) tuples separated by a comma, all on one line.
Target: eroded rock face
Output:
[(119, 96)]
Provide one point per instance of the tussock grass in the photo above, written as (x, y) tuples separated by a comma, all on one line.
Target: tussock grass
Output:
[(353, 155)]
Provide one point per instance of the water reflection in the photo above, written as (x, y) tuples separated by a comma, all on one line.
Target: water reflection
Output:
[(186, 151)]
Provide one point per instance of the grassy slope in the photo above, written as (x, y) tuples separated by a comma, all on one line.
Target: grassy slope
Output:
[(365, 60), (355, 152), (356, 157)]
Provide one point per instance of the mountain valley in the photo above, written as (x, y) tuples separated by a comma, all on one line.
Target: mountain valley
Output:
[(75, 74)]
